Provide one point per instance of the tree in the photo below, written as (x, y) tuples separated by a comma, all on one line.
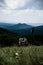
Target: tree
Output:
[(33, 35)]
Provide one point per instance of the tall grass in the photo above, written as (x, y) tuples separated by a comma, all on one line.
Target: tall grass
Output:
[(31, 55)]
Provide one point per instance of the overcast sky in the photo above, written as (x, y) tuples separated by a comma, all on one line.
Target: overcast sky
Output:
[(21, 11)]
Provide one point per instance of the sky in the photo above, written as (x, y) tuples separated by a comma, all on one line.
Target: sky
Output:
[(21, 11)]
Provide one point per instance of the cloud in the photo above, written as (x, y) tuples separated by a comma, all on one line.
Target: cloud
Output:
[(23, 16), (22, 4), (38, 4), (2, 1), (24, 11), (15, 4), (2, 4)]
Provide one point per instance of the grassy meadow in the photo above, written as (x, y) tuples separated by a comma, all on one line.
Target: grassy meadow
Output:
[(30, 55)]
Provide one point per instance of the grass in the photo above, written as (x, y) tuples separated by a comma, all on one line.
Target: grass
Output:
[(31, 55)]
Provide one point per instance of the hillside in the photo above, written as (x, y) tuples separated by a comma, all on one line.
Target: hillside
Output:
[(38, 30), (10, 34), (7, 38), (22, 29), (14, 26), (28, 30)]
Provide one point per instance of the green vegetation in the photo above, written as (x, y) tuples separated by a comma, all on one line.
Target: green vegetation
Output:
[(31, 55), (8, 38)]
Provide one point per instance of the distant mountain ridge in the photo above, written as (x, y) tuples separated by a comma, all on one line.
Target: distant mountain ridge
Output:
[(15, 26), (22, 28)]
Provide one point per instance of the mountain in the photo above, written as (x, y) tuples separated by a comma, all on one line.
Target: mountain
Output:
[(38, 30), (10, 33), (5, 25), (15, 26), (6, 32), (19, 28), (22, 28)]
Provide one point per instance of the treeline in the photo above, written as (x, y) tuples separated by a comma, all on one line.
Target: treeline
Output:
[(36, 39), (9, 39), (14, 40)]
